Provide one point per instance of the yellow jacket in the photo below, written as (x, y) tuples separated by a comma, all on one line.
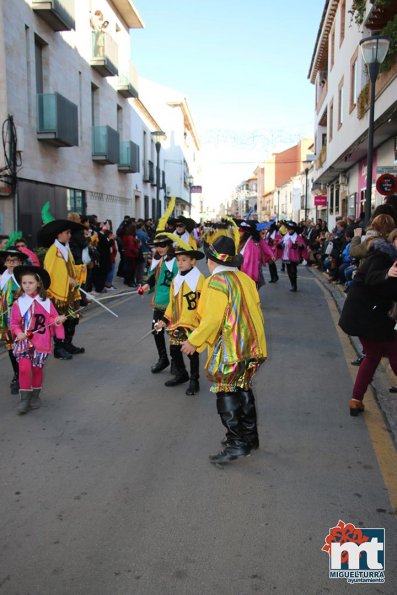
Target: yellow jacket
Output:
[(231, 320), (61, 272), (185, 294)]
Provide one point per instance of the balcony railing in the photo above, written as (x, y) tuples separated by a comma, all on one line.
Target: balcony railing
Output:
[(128, 82), (104, 54), (57, 120), (129, 157), (58, 14), (105, 145)]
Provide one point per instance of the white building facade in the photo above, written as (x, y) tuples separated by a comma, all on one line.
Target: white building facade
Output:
[(78, 133), (341, 107)]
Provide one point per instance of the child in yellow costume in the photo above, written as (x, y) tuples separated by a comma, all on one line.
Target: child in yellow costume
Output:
[(183, 229), (66, 277), (180, 316), (232, 328)]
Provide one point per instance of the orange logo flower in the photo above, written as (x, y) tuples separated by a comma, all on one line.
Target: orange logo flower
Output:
[(343, 533)]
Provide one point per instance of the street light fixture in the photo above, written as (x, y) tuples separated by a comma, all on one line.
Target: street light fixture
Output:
[(306, 174), (373, 50), (158, 136), (190, 182)]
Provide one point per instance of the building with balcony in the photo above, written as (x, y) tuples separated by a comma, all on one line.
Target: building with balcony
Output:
[(78, 132), (340, 78), (180, 151)]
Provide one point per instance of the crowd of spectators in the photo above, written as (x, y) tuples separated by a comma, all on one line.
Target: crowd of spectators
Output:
[(339, 251)]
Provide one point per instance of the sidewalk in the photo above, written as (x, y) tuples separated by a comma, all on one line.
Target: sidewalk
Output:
[(384, 377)]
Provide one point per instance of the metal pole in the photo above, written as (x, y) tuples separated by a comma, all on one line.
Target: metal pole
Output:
[(373, 70), (306, 173), (278, 204), (157, 209), (190, 199)]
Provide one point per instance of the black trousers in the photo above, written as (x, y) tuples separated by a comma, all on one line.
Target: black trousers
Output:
[(292, 270), (273, 271), (177, 356), (159, 338)]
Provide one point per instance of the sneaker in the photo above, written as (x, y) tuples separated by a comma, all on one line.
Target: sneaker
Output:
[(357, 362)]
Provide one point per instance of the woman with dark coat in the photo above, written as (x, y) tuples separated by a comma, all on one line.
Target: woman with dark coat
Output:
[(370, 313)]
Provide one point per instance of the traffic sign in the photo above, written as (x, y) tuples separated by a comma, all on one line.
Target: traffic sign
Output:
[(386, 184)]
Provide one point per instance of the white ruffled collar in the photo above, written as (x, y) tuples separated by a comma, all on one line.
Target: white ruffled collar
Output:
[(223, 268), (191, 279), (25, 301), (5, 277), (63, 248)]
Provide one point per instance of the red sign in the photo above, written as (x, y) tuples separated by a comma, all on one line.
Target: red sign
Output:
[(386, 184), (196, 189), (320, 200)]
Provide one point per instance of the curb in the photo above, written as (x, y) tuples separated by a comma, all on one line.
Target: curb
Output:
[(383, 378)]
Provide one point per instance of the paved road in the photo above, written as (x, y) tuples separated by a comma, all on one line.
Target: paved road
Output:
[(107, 490)]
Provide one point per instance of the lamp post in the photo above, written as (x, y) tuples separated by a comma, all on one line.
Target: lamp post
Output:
[(373, 50), (190, 182), (278, 204), (158, 136), (306, 174)]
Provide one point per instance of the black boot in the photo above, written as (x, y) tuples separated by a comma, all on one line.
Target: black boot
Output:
[(248, 418), (70, 329), (59, 350), (193, 388), (230, 411), (194, 385), (14, 385), (181, 374), (180, 378), (163, 361), (70, 348)]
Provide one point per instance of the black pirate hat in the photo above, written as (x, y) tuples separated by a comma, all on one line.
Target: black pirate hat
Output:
[(12, 251), (223, 251), (36, 271), (49, 232)]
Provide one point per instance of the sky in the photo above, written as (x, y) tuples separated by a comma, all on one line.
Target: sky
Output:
[(243, 67)]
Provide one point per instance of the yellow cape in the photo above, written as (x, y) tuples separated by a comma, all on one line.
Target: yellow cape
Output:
[(60, 273)]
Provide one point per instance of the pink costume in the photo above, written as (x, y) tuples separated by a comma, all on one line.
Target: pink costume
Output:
[(266, 251), (273, 240), (34, 317), (294, 248), (251, 252)]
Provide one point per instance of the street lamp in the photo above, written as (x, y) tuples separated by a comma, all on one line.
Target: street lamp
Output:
[(373, 50), (158, 136), (278, 204), (190, 182), (306, 174)]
